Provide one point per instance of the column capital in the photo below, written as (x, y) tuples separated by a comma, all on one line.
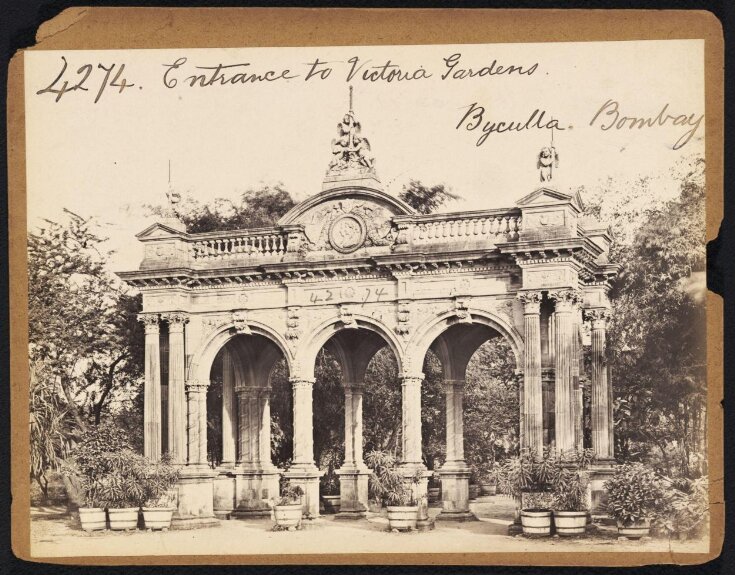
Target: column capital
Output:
[(150, 321), (301, 382), (176, 320), (411, 378), (196, 386), (598, 316), (566, 299), (531, 301), (251, 390)]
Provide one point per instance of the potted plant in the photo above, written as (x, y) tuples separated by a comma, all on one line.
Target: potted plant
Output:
[(92, 515), (529, 473), (158, 480), (488, 479), (634, 494), (474, 488), (394, 490), (122, 489), (329, 487), (569, 492), (288, 509), (686, 508), (90, 466)]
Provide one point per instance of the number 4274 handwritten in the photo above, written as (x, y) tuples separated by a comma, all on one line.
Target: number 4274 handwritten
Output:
[(61, 86)]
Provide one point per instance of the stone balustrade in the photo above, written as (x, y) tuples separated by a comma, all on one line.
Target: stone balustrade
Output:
[(239, 244), (486, 225)]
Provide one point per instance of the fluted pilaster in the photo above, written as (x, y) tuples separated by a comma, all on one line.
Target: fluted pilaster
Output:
[(176, 392), (152, 390), (532, 423), (601, 404), (564, 401)]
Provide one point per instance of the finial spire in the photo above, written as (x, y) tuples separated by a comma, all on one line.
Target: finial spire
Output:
[(350, 98), (172, 196)]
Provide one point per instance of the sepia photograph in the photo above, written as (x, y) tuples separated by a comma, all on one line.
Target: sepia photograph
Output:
[(350, 300)]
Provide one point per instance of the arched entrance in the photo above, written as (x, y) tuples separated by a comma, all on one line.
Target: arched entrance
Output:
[(454, 341), (352, 347)]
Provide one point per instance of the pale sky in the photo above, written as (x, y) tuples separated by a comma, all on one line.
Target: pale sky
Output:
[(110, 158)]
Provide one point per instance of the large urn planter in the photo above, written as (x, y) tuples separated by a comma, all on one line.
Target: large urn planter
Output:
[(536, 522), (93, 518), (474, 491), (570, 523), (123, 519), (288, 516), (634, 529), (332, 503), (434, 494), (158, 517), (402, 518)]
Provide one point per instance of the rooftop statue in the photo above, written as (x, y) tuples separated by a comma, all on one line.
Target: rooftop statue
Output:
[(350, 150), (548, 159)]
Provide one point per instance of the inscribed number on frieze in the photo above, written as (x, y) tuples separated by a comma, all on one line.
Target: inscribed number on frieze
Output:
[(363, 295)]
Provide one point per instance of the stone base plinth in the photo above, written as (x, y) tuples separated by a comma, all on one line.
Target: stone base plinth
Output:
[(600, 472), (353, 490), (455, 494), (254, 490), (306, 477), (224, 493), (195, 498)]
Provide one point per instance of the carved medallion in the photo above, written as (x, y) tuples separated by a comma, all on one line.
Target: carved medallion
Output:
[(347, 233)]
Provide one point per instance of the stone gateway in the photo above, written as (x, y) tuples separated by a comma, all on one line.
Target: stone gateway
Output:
[(354, 269)]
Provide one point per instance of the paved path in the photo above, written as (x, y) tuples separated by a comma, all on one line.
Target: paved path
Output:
[(57, 534)]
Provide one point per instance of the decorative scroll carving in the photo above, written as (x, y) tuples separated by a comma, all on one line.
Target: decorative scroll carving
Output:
[(404, 318), (346, 317), (462, 311), (292, 323), (566, 299), (149, 321), (213, 322), (240, 319)]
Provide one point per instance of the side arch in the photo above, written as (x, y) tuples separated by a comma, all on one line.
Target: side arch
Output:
[(419, 345), (321, 334), (202, 360)]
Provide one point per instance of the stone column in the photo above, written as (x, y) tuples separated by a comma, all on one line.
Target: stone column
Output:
[(411, 419), (533, 420), (455, 474), (564, 401), (229, 411), (304, 472), (353, 475), (196, 423), (152, 391), (176, 392), (601, 404), (246, 397), (264, 427)]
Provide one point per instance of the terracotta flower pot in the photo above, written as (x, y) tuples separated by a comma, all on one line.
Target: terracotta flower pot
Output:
[(536, 522), (288, 515), (634, 529), (402, 518), (93, 518), (434, 494), (332, 503), (474, 491), (158, 517), (374, 506), (123, 519), (569, 523)]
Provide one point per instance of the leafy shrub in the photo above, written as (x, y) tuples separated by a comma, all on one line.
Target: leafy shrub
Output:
[(570, 490), (686, 508), (633, 494), (290, 494), (387, 484), (158, 479)]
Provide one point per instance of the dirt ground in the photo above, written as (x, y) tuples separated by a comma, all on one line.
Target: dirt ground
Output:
[(55, 533)]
